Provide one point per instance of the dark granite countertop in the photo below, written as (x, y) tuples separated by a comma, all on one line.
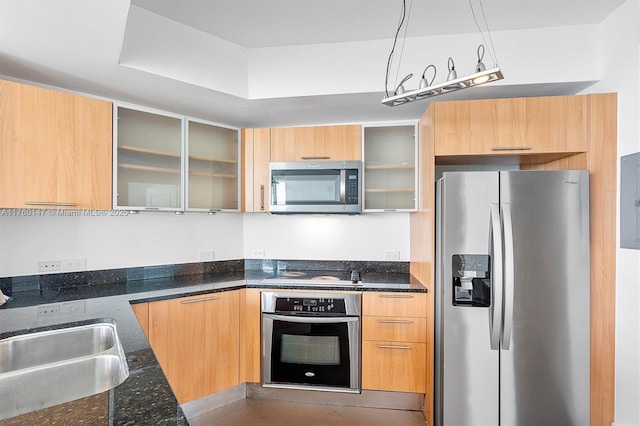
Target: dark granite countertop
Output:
[(145, 398)]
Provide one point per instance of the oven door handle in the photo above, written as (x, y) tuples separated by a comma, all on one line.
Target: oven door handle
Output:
[(309, 319)]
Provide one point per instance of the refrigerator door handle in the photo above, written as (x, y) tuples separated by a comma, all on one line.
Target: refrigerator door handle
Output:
[(495, 249), (509, 276)]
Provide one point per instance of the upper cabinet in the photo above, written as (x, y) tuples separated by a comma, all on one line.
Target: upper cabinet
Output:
[(149, 160), (55, 149), (316, 143), (390, 177), (256, 155), (213, 154), (520, 126), (169, 162)]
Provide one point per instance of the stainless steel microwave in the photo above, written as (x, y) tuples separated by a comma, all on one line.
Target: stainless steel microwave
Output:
[(316, 187)]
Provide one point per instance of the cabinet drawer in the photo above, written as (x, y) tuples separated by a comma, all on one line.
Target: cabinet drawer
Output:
[(394, 304), (393, 366), (394, 328)]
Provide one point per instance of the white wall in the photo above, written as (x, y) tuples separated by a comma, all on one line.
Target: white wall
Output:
[(619, 48), (327, 237), (148, 238)]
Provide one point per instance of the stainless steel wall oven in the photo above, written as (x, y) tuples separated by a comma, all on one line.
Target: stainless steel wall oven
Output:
[(311, 341)]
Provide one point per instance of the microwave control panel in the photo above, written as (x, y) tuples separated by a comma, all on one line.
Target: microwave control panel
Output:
[(351, 186)]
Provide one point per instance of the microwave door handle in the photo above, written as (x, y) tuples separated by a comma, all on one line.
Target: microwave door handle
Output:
[(343, 186)]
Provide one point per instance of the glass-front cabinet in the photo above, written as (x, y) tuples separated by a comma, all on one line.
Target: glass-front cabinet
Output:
[(171, 163), (390, 178), (212, 163), (149, 172)]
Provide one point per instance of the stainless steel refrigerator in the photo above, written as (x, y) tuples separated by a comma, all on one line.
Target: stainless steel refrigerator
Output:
[(512, 298)]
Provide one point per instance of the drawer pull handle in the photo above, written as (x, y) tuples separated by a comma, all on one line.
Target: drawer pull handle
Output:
[(394, 296), (393, 347), (395, 322), (511, 148), (185, 302), (317, 157), (48, 203)]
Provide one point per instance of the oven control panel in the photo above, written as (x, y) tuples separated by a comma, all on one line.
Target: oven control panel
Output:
[(310, 305)]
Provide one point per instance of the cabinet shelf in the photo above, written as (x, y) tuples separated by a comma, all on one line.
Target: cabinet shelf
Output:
[(389, 167), (148, 151), (148, 168), (212, 159), (211, 174), (389, 190)]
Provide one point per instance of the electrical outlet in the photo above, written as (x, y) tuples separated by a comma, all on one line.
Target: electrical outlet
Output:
[(48, 265), (206, 256), (392, 255), (70, 308), (48, 311), (257, 253), (78, 264)]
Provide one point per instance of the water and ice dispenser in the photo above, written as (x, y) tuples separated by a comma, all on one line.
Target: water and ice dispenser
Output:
[(471, 280)]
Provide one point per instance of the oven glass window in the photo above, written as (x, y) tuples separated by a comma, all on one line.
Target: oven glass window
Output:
[(310, 353), (310, 349)]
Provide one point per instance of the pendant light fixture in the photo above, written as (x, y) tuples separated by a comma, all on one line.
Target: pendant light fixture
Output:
[(426, 88)]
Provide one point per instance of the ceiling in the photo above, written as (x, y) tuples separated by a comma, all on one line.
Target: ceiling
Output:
[(76, 45)]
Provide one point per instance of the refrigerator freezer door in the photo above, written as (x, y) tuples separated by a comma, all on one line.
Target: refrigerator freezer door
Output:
[(544, 376), (467, 376)]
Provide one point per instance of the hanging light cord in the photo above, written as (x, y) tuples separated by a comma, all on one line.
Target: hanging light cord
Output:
[(492, 52), (403, 14)]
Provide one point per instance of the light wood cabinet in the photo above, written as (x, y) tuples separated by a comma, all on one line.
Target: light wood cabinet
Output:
[(256, 183), (250, 331), (518, 126), (394, 341), (316, 143), (390, 178), (196, 341), (55, 149)]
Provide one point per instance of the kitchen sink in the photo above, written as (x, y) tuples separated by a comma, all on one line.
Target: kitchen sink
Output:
[(46, 368)]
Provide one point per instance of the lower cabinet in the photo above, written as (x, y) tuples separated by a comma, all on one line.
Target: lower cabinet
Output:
[(394, 342), (196, 342)]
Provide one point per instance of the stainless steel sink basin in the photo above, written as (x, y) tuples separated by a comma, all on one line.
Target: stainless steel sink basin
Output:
[(46, 368)]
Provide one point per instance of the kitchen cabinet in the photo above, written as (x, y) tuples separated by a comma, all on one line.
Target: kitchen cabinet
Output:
[(148, 160), (212, 167), (55, 150), (390, 178), (518, 126), (256, 183), (394, 341), (316, 143), (196, 342), (250, 331)]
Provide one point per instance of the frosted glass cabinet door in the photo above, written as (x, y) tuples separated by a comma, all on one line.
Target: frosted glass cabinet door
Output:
[(149, 160), (212, 167), (390, 168)]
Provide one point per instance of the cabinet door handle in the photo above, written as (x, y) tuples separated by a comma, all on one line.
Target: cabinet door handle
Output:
[(317, 157), (393, 347), (395, 322), (48, 203), (511, 148), (394, 296), (185, 302), (262, 197)]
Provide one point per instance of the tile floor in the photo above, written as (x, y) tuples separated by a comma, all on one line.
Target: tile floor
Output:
[(263, 412)]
